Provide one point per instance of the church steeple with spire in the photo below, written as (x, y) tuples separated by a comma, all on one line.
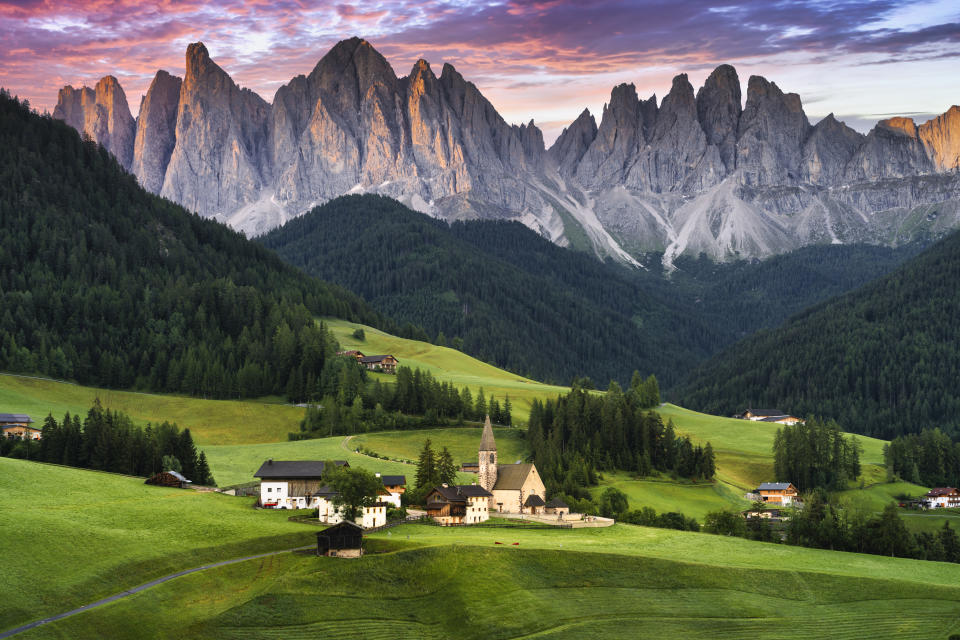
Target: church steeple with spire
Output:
[(488, 457)]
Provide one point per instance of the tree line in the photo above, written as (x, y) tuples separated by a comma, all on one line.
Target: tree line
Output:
[(347, 402), (583, 432), (880, 360), (108, 440), (815, 453), (930, 458)]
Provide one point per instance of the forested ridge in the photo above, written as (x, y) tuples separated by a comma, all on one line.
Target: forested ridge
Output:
[(504, 294), (882, 360), (110, 286)]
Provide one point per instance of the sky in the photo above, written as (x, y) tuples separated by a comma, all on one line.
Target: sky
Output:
[(545, 60)]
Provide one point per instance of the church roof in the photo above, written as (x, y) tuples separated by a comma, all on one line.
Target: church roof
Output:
[(486, 440), (512, 476)]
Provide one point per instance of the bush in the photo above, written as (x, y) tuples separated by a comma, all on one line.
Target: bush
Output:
[(359, 334)]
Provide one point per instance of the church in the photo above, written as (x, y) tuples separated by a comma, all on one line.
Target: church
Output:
[(516, 488)]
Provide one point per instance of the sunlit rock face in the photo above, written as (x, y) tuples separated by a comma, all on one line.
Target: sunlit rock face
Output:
[(156, 131), (701, 171), (102, 113)]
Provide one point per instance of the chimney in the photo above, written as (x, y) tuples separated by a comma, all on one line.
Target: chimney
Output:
[(377, 474), (270, 461), (445, 485)]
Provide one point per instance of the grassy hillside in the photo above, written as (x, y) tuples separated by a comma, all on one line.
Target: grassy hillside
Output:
[(72, 536), (447, 364), (210, 421), (622, 582)]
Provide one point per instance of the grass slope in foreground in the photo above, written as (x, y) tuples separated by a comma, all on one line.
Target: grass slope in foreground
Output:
[(621, 582), (71, 536)]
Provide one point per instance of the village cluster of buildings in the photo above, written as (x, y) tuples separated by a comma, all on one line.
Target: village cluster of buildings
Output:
[(298, 484), (18, 425), (500, 488)]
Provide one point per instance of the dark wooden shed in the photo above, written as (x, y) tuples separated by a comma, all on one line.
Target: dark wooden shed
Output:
[(169, 479), (344, 540)]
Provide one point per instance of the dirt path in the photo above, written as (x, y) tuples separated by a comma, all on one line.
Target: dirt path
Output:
[(142, 587)]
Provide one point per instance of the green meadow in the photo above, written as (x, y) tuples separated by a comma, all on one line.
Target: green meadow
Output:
[(71, 536), (209, 421), (449, 365), (621, 582)]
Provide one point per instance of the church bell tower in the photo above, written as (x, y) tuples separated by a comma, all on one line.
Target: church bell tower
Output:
[(488, 457)]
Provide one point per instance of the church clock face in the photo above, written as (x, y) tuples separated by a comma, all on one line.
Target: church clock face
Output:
[(492, 458)]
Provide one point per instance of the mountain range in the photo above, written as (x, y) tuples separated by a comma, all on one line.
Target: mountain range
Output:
[(697, 172)]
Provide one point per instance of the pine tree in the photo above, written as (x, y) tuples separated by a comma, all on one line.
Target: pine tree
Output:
[(426, 467), (446, 468)]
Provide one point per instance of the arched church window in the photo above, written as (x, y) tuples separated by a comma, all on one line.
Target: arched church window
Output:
[(492, 458)]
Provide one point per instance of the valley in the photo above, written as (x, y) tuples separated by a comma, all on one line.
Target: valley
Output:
[(379, 356)]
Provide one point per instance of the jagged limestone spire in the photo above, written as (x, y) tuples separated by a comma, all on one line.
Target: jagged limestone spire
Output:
[(487, 442)]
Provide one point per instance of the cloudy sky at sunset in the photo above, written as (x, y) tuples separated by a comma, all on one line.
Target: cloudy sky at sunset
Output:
[(861, 59)]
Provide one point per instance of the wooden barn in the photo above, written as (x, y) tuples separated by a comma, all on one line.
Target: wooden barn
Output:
[(385, 363), (344, 540), (169, 479)]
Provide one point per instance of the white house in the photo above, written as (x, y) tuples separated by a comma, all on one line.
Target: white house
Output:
[(942, 498), (396, 486), (372, 516), (291, 484)]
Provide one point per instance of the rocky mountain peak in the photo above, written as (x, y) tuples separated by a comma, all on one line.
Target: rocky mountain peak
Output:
[(941, 137), (770, 136), (827, 151), (901, 126), (718, 110), (573, 142), (156, 130), (102, 113)]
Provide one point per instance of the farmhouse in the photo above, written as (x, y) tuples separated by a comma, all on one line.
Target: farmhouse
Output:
[(395, 486), (385, 363), (371, 516), (18, 425), (291, 484), (512, 485), (169, 479), (344, 540), (942, 498), (464, 504), (781, 493)]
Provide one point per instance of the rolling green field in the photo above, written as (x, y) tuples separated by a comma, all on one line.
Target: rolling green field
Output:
[(209, 421), (693, 500), (71, 536), (449, 365), (621, 582)]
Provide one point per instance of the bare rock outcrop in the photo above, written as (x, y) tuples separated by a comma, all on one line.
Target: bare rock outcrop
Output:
[(156, 131), (892, 149), (573, 142), (827, 151), (718, 109), (219, 162), (941, 137), (102, 113), (771, 133)]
